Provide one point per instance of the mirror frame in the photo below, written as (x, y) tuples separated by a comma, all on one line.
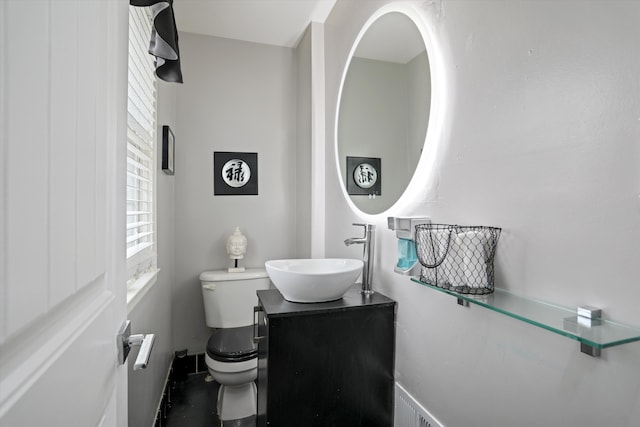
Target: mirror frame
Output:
[(426, 165)]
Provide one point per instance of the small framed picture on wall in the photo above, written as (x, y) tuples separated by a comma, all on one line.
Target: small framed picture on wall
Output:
[(168, 150), (235, 174)]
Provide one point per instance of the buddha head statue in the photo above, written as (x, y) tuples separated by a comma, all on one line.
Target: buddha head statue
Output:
[(236, 245)]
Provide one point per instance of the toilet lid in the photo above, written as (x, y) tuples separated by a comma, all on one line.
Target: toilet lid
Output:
[(232, 344)]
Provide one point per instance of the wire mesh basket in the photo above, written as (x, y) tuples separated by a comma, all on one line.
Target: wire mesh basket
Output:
[(457, 258)]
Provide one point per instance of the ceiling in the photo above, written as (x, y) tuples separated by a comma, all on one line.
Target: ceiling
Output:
[(393, 38), (283, 22), (274, 22)]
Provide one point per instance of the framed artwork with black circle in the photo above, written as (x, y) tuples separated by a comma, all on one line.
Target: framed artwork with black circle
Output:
[(364, 176), (235, 174)]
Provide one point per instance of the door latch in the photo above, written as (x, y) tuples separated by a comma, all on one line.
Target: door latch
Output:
[(126, 341)]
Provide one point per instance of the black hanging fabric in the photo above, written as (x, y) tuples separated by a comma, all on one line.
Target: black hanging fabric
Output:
[(164, 39)]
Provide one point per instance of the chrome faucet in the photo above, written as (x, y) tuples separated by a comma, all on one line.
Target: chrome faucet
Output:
[(368, 242)]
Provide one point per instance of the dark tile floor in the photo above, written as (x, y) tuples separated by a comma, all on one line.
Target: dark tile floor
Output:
[(193, 404)]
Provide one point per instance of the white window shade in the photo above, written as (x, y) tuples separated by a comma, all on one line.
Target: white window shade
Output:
[(141, 137)]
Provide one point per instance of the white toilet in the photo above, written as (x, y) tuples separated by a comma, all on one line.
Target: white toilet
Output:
[(232, 356)]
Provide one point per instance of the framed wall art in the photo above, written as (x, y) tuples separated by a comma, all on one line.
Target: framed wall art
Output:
[(235, 174), (168, 150), (364, 176)]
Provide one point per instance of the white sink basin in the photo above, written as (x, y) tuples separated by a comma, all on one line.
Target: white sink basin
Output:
[(313, 280)]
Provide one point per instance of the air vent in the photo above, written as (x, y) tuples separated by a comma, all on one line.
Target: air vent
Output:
[(410, 413)]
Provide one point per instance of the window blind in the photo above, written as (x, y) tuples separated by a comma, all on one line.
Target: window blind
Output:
[(141, 135)]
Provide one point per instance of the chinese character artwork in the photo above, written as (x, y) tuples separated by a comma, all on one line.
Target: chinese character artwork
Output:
[(364, 175), (235, 173)]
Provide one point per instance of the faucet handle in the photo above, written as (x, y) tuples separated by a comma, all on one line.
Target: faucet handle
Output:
[(366, 226)]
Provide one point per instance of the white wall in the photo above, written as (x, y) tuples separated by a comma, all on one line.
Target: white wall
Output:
[(237, 96), (153, 313), (540, 138), (304, 131)]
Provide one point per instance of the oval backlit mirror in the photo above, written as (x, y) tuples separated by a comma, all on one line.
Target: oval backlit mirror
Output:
[(383, 112)]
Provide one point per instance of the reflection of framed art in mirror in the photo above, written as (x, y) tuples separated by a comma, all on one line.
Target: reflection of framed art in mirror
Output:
[(364, 176)]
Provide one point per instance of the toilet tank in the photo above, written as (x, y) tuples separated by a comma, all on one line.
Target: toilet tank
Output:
[(229, 298)]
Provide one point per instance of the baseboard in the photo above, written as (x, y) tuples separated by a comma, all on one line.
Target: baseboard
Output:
[(165, 400), (188, 364), (179, 368)]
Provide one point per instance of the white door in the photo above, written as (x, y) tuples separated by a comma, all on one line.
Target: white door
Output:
[(63, 87)]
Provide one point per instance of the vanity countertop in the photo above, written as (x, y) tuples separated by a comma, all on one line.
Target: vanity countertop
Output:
[(274, 304)]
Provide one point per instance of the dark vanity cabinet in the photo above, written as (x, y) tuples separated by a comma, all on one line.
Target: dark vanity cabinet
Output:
[(325, 364)]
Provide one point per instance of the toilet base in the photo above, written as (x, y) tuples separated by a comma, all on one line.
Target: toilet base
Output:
[(237, 401)]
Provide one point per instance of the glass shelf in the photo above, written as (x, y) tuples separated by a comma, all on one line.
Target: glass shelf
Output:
[(593, 334)]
